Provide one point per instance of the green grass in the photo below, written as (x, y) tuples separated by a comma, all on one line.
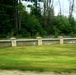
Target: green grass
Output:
[(56, 58)]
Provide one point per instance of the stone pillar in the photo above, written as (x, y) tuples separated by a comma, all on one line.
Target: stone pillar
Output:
[(61, 39), (13, 41), (39, 41)]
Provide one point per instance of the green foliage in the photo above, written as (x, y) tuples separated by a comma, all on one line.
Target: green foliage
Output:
[(73, 24), (21, 7), (63, 25), (30, 26), (56, 31), (6, 17), (14, 18)]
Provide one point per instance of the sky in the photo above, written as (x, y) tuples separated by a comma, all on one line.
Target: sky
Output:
[(64, 7), (27, 3)]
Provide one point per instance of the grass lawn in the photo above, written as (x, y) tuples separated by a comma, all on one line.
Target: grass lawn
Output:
[(56, 58)]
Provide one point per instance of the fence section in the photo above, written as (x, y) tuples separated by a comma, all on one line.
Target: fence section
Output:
[(69, 40), (37, 41), (5, 43), (50, 41), (27, 42)]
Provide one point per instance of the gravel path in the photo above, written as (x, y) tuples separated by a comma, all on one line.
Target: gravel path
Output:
[(16, 72)]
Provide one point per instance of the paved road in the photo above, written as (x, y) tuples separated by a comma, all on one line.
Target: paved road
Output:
[(15, 72)]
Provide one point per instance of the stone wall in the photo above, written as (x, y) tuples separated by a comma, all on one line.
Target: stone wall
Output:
[(37, 41), (5, 43), (69, 40), (27, 42), (50, 41)]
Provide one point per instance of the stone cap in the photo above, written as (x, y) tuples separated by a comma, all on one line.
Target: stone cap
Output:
[(12, 38), (39, 37), (60, 37)]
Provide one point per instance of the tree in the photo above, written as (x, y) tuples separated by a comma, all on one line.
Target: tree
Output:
[(21, 9), (6, 17), (15, 10), (30, 26), (48, 16), (63, 25), (60, 7), (71, 7), (36, 10)]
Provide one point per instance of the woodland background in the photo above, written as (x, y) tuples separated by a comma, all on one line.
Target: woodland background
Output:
[(16, 21)]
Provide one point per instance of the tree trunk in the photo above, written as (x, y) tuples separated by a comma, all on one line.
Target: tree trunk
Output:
[(44, 21), (71, 7), (19, 20), (60, 7), (16, 15)]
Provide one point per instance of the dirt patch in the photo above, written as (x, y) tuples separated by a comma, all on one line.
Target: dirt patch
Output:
[(16, 72)]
